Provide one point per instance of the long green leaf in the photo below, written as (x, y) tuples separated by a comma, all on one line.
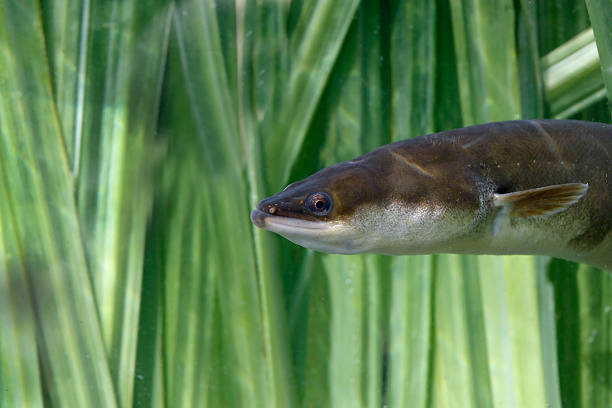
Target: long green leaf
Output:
[(460, 341), (346, 364), (263, 69), (19, 362), (594, 337), (111, 130), (67, 26), (558, 21), (412, 57), (600, 12), (525, 329), (313, 50), (410, 331), (487, 70), (149, 390), (530, 72), (39, 197), (572, 75), (243, 333), (374, 43)]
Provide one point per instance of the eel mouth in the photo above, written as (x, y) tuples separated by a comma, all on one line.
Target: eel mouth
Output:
[(282, 224), (325, 236)]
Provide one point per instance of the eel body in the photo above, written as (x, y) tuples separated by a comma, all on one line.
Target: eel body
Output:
[(517, 187)]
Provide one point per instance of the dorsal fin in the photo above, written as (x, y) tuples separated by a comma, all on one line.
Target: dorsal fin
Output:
[(540, 201)]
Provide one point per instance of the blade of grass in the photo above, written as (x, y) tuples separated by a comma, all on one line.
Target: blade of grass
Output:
[(346, 364), (123, 46), (375, 316), (548, 331), (308, 160), (375, 71), (530, 71), (461, 368), (227, 16), (412, 68), (39, 192), (487, 71), (594, 351), (570, 47), (446, 112), (313, 49), (218, 136), (148, 374), (191, 265), (559, 21), (243, 334), (410, 331), (186, 282), (66, 25), (600, 12), (187, 257), (572, 76), (314, 387), (191, 278), (262, 67), (19, 363), (270, 62), (499, 347), (563, 275), (582, 106), (525, 330)]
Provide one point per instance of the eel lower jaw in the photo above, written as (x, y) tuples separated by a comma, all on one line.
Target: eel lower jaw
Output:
[(281, 224), (324, 236)]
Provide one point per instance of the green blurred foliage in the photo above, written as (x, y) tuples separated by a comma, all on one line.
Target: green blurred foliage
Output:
[(136, 137)]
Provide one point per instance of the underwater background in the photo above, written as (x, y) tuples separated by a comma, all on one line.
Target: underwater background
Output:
[(137, 135)]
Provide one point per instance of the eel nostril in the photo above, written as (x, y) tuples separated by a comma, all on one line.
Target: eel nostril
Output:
[(272, 209)]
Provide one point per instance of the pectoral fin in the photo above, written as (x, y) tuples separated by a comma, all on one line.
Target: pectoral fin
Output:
[(540, 201)]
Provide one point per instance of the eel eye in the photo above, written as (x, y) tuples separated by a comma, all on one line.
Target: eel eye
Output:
[(319, 203)]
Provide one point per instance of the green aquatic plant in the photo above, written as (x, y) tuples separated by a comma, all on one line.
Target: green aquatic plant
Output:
[(136, 136)]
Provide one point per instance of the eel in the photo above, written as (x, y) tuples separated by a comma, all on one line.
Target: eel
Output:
[(530, 187)]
